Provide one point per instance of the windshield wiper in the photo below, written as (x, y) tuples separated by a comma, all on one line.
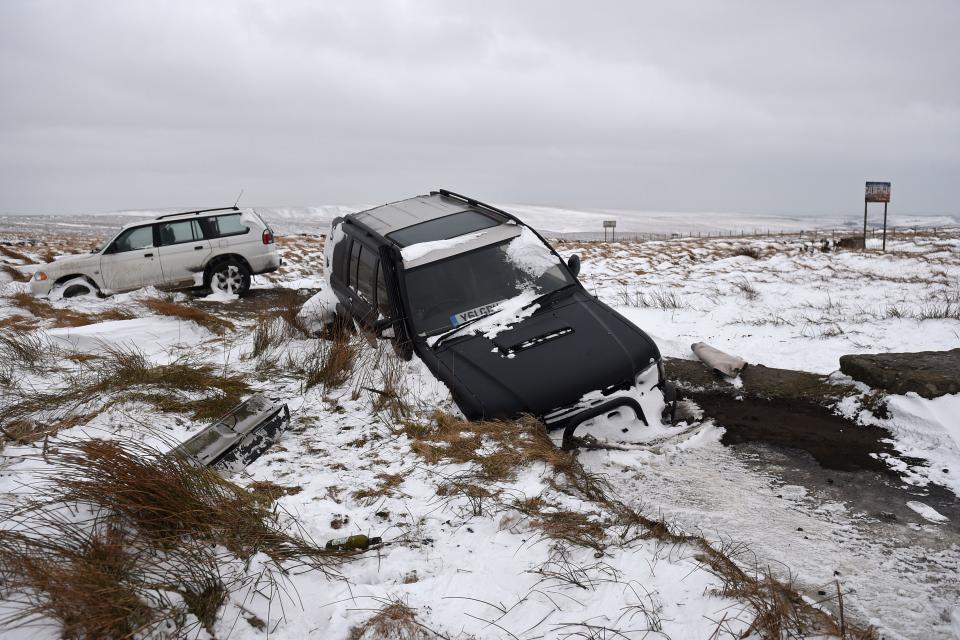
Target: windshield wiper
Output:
[(451, 332), (548, 294)]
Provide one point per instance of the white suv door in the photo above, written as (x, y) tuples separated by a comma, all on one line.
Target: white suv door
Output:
[(131, 261), (183, 250)]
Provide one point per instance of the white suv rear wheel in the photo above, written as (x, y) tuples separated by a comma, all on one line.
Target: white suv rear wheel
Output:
[(230, 276)]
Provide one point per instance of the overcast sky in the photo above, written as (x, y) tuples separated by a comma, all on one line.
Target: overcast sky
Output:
[(763, 106)]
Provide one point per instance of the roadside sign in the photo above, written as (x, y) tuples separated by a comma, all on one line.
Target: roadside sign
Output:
[(877, 192), (612, 225)]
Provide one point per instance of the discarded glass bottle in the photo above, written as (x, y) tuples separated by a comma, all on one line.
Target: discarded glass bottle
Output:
[(358, 542)]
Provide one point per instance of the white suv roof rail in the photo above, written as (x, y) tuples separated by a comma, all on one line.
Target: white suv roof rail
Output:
[(198, 211)]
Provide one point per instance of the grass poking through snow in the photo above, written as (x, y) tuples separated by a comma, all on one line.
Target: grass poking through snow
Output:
[(167, 307), (126, 541)]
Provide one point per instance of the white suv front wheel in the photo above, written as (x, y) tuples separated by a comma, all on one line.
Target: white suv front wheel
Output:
[(230, 276), (74, 288)]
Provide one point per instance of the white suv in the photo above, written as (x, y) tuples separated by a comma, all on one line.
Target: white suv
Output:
[(214, 248)]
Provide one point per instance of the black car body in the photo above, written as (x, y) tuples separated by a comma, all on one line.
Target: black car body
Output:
[(493, 311)]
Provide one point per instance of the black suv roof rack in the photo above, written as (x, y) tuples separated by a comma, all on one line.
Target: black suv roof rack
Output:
[(198, 211), (472, 202)]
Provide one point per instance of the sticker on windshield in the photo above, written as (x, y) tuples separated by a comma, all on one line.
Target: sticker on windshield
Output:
[(459, 318)]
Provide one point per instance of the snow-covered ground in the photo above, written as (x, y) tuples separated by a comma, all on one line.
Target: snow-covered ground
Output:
[(548, 220), (470, 565)]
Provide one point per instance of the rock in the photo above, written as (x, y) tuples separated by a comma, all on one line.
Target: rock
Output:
[(927, 373)]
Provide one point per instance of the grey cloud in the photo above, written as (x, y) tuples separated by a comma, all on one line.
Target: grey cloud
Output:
[(766, 107)]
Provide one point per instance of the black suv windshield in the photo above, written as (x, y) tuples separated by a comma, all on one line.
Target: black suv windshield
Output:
[(449, 292)]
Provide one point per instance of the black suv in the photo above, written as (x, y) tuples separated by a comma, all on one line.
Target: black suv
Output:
[(493, 311)]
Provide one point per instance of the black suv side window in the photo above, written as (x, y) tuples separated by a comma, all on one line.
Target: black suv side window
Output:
[(383, 301), (223, 226), (339, 266), (366, 272), (354, 264)]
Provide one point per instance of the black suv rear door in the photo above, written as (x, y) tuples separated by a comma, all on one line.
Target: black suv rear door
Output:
[(361, 281)]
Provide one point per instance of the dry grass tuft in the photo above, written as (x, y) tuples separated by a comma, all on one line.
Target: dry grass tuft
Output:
[(84, 580), (288, 308), (125, 541), (169, 498), (16, 255), (388, 486), (272, 491), (126, 375), (658, 298), (512, 444), (747, 251), (330, 363), (64, 317), (748, 290), (167, 307), (15, 274), (395, 620)]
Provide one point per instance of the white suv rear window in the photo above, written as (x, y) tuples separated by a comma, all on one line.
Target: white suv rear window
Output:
[(220, 226)]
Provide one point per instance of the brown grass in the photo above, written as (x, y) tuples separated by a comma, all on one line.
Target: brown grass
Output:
[(126, 375), (157, 525), (15, 274), (83, 580), (167, 307), (517, 443), (169, 497), (16, 255), (749, 252), (64, 317), (387, 487), (288, 307), (272, 491), (395, 620), (331, 362)]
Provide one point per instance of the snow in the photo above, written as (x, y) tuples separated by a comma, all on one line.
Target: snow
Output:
[(928, 512), (928, 429), (795, 307), (419, 250), (222, 296), (483, 574), (528, 252), (151, 335), (320, 310)]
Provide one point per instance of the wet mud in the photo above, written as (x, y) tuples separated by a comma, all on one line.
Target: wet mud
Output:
[(787, 421)]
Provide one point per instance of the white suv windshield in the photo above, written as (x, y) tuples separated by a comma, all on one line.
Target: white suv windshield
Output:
[(448, 292)]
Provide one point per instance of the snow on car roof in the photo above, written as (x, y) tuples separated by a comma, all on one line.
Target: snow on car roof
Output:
[(424, 252)]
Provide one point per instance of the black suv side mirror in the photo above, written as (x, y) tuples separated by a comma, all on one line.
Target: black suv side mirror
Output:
[(573, 262)]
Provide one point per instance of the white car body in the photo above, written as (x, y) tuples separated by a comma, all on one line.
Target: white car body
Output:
[(170, 251)]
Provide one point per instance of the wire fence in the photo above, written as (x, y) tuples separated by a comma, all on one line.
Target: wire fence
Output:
[(802, 234)]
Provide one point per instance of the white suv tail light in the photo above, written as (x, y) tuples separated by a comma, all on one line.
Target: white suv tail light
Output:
[(267, 236)]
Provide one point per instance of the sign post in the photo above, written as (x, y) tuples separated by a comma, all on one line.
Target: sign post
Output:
[(612, 225), (876, 192)]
